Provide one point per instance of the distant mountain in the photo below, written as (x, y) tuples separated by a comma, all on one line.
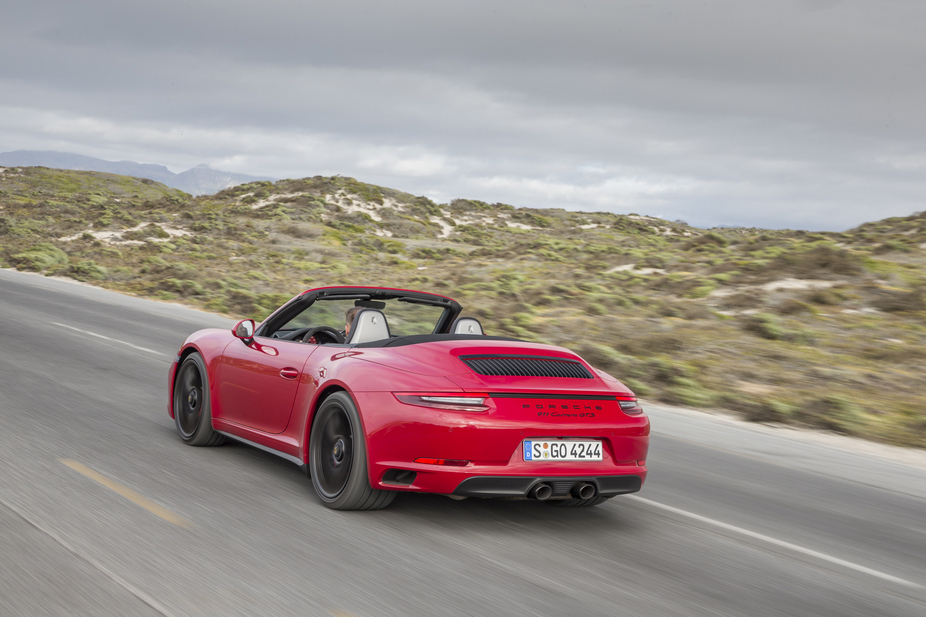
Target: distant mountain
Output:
[(204, 180), (200, 180)]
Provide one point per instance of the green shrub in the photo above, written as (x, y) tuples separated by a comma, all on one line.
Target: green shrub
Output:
[(826, 297), (710, 239), (666, 371), (819, 261), (686, 395), (240, 302), (836, 413), (523, 320), (269, 302), (701, 291), (687, 382), (794, 307), (604, 357), (183, 287), (121, 273), (345, 226), (40, 257), (305, 266), (897, 300), (765, 325), (154, 231), (260, 276), (234, 283), (382, 245), (638, 387), (217, 304), (534, 220), (596, 308), (88, 270), (779, 410), (893, 245)]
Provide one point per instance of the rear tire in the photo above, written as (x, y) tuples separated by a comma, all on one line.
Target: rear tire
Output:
[(192, 404), (338, 458), (578, 503)]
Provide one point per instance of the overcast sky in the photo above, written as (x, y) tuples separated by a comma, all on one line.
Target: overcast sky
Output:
[(804, 114)]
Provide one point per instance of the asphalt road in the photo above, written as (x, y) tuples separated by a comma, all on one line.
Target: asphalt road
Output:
[(103, 511)]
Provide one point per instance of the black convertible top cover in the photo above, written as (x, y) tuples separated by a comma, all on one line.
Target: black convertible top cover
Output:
[(401, 341)]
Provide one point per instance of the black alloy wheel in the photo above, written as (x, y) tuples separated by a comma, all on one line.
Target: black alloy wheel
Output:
[(190, 399), (192, 409), (335, 451), (338, 459)]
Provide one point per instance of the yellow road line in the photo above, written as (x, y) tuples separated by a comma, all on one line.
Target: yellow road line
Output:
[(128, 493)]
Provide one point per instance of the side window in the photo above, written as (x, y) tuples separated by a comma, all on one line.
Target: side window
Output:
[(327, 313), (406, 318)]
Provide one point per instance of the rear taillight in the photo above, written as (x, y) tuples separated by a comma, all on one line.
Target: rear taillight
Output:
[(631, 407), (451, 402)]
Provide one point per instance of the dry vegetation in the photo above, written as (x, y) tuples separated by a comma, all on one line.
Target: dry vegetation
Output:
[(819, 329)]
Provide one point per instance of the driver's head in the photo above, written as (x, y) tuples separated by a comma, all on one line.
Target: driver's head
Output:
[(349, 319)]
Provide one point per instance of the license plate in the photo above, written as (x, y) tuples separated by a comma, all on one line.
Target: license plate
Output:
[(561, 450)]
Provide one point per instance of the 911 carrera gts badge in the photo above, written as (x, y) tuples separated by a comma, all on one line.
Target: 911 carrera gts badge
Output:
[(578, 407), (561, 411)]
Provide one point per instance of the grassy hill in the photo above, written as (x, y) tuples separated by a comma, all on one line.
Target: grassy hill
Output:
[(819, 329)]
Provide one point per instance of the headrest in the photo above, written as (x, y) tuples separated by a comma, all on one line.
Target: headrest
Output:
[(369, 325), (466, 325)]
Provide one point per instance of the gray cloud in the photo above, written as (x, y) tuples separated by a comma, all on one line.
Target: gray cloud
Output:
[(792, 114)]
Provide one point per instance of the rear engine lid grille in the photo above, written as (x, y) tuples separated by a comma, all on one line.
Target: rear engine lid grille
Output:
[(526, 366)]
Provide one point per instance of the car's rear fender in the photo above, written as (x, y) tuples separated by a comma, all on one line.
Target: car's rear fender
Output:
[(344, 368)]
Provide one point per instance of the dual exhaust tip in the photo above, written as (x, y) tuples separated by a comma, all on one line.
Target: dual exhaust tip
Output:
[(541, 492), (581, 490)]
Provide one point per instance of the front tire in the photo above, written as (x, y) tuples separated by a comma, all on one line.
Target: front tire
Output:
[(338, 458), (192, 404)]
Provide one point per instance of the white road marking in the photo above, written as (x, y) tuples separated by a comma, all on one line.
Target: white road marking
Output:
[(788, 545), (125, 584), (112, 340)]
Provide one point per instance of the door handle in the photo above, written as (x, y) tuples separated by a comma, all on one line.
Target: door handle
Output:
[(289, 373)]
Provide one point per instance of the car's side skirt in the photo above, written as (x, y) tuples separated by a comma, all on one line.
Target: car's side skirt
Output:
[(291, 459)]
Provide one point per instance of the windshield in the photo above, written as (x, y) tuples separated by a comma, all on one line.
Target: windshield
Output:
[(404, 318)]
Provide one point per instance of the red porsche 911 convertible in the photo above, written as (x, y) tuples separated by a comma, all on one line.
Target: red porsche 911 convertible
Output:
[(409, 396)]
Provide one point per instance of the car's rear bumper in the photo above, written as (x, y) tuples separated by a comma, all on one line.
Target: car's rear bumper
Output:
[(521, 486), (515, 479)]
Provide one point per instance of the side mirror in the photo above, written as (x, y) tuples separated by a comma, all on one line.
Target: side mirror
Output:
[(244, 329)]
